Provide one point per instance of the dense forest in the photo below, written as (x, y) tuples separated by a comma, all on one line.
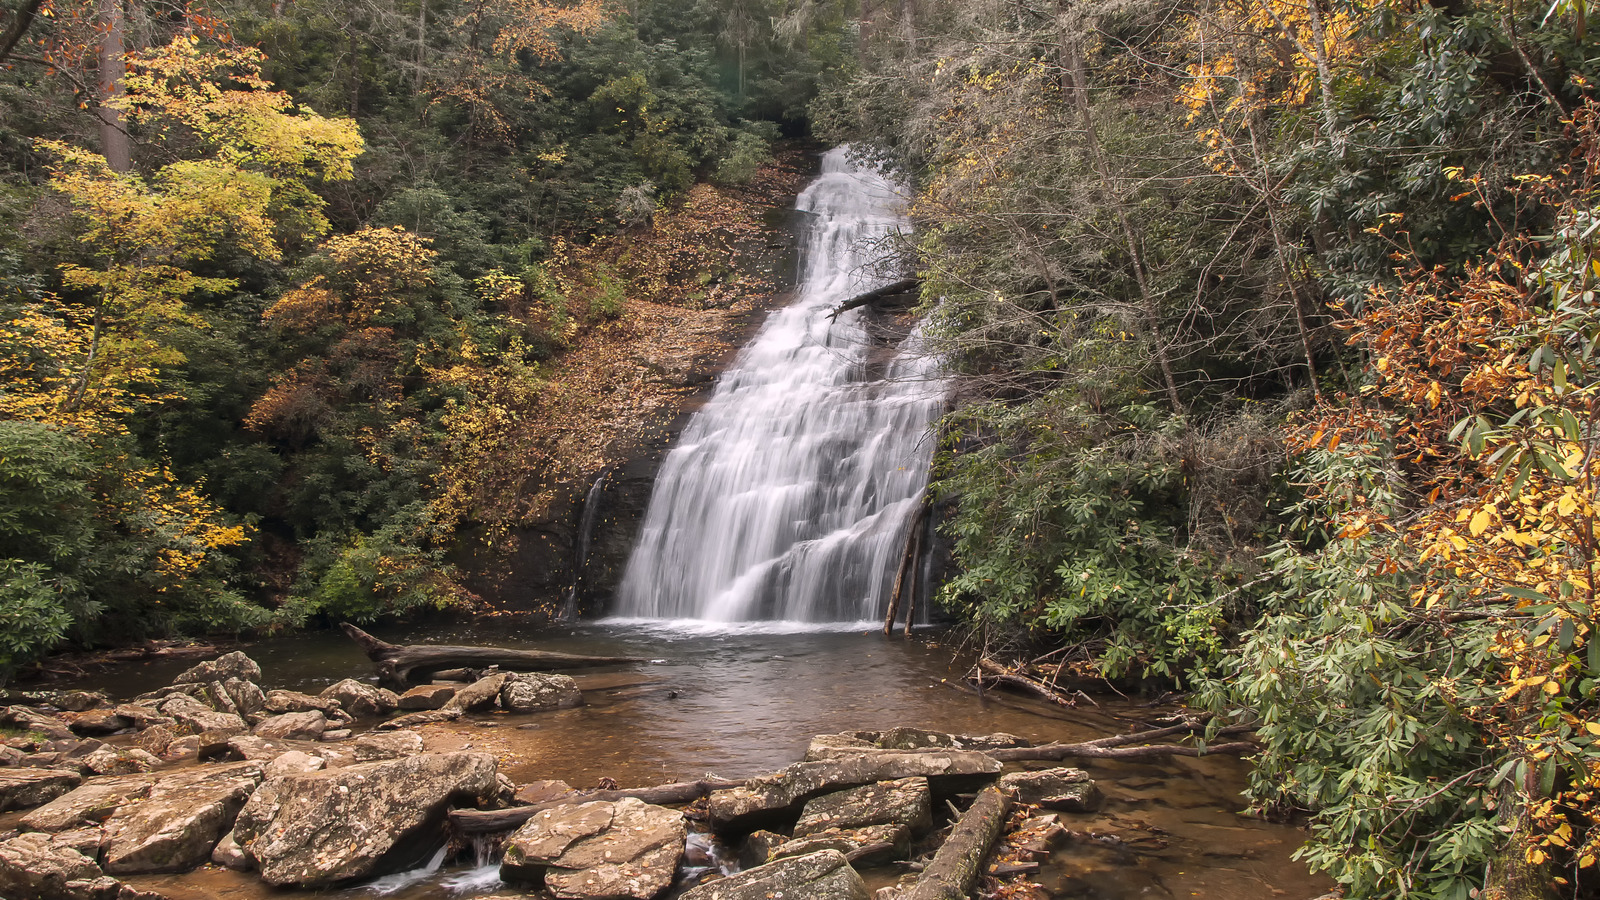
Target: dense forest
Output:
[(1272, 325)]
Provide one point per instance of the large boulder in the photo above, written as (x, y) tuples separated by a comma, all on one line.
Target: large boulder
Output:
[(143, 715), (1068, 790), (824, 875), (760, 801), (247, 696), (198, 718), (324, 828), (228, 665), (531, 692), (178, 822), (24, 788), (627, 850), (480, 694), (89, 803), (904, 802), (362, 700)]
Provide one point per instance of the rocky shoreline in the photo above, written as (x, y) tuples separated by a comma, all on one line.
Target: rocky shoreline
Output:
[(323, 791)]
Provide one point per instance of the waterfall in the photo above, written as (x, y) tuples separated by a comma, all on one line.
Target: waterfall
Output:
[(789, 494), (580, 545)]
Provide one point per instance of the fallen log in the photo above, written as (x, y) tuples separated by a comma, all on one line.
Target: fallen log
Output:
[(903, 286), (397, 662), (1135, 745), (489, 821), (955, 867)]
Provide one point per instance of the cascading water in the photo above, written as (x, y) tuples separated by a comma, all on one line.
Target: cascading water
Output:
[(789, 494)]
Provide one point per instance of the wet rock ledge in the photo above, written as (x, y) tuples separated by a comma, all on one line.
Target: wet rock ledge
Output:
[(330, 790)]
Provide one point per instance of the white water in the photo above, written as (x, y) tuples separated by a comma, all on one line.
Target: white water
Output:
[(788, 497)]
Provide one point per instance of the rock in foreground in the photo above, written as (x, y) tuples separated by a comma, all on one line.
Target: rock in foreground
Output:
[(627, 850), (323, 828), (819, 876)]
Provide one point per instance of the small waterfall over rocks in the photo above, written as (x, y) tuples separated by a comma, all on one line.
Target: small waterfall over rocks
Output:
[(789, 494)]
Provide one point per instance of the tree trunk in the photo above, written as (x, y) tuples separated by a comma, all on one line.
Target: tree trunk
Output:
[(1150, 307), (113, 65)]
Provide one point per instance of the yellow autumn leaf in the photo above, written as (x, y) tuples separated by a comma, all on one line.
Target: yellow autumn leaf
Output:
[(1480, 522)]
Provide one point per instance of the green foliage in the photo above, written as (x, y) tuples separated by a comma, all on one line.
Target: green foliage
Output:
[(33, 618)]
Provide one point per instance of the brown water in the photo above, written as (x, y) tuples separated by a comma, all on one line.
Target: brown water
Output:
[(741, 704)]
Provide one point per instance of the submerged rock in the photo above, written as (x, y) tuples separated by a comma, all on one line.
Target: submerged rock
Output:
[(174, 827), (824, 875), (627, 850), (391, 745), (323, 828)]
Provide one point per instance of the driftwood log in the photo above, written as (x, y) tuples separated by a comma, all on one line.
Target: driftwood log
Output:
[(955, 867), (903, 286), (989, 670), (489, 821), (397, 662)]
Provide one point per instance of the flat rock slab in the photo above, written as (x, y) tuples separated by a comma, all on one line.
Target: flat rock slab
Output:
[(174, 827), (761, 800), (850, 840), (428, 696), (305, 726), (824, 875), (36, 722), (279, 702), (390, 745), (323, 828), (24, 788), (90, 803), (623, 850), (905, 802), (1068, 790)]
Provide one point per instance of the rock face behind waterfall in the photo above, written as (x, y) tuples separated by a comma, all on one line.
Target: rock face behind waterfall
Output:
[(789, 493)]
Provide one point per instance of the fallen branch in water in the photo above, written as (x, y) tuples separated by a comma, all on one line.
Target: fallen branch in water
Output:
[(488, 821), (1001, 675)]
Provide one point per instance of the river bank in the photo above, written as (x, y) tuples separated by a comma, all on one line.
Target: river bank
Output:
[(743, 704)]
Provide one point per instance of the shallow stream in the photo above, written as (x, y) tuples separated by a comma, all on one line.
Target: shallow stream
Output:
[(741, 701)]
